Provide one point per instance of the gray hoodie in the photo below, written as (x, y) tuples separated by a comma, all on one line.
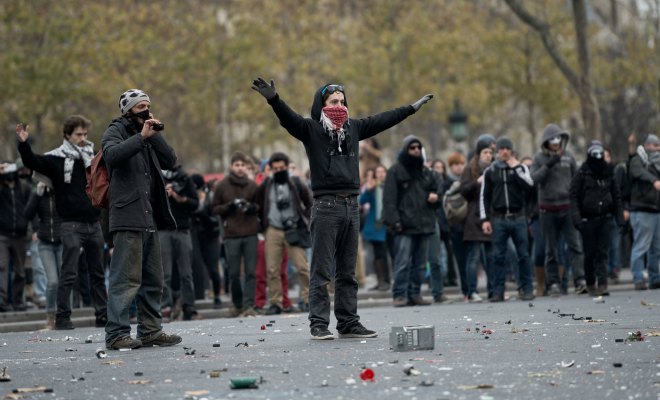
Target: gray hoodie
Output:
[(554, 183)]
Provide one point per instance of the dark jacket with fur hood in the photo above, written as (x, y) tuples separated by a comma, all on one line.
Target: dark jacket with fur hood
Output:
[(334, 165)]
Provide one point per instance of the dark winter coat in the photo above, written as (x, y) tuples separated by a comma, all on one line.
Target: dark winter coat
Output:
[(504, 190), (301, 199), (138, 200), (49, 220), (13, 222), (332, 170), (183, 212), (595, 195), (237, 221), (471, 189), (553, 182), (642, 174), (70, 198)]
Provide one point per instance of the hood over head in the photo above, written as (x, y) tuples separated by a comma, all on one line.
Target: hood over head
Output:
[(552, 131), (317, 103)]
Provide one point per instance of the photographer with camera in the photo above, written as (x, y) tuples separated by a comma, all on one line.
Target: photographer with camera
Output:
[(285, 204), (65, 166), (135, 153), (176, 244), (14, 196), (234, 200)]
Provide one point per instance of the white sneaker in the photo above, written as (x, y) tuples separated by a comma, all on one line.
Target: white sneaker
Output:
[(475, 298)]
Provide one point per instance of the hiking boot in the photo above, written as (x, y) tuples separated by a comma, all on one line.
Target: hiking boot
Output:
[(581, 287), (399, 302), (63, 324), (640, 286), (526, 296), (124, 342), (101, 321), (554, 290), (357, 331), (418, 301), (274, 309), (160, 339), (321, 333)]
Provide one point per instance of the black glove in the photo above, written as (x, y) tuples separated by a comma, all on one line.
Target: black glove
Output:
[(553, 160), (264, 89), (251, 209), (419, 103), (235, 204)]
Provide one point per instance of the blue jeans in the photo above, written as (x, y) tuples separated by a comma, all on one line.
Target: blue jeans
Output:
[(136, 272), (516, 229), (51, 258), (646, 240), (437, 258), (478, 252), (409, 261), (335, 229), (38, 272)]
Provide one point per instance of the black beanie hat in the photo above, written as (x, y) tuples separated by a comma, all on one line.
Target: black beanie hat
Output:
[(504, 143)]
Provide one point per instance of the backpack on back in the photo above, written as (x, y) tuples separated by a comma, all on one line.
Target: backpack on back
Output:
[(455, 205), (98, 182)]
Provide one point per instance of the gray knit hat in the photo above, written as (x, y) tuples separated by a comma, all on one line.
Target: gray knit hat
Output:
[(130, 98), (504, 143)]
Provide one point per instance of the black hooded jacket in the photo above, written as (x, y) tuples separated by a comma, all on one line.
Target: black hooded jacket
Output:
[(334, 171), (595, 194)]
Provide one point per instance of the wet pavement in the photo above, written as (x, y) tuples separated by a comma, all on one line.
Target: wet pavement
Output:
[(573, 347)]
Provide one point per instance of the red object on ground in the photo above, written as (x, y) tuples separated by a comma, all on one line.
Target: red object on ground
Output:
[(263, 327), (367, 374)]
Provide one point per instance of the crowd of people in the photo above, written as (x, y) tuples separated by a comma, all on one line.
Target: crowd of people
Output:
[(169, 237)]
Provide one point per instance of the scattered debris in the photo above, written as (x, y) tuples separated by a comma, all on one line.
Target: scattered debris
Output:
[(426, 383), (138, 373), (567, 364), (70, 349), (596, 320), (635, 337), (262, 339), (507, 322), (4, 377), (647, 304), (599, 300), (410, 370), (113, 362), (244, 383), (515, 330), (531, 305), (324, 383), (653, 334), (367, 375), (263, 327), (406, 338), (596, 372), (193, 394), (543, 374), (487, 332), (36, 389), (619, 340), (100, 353), (140, 382), (189, 351), (74, 379), (479, 386), (245, 344), (216, 344), (214, 374), (617, 365)]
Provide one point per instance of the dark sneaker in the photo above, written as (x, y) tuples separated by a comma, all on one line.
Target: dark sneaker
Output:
[(160, 339), (63, 324), (581, 287), (20, 307), (655, 285), (418, 301), (640, 286), (217, 303), (101, 321), (496, 298), (554, 290), (357, 331), (273, 310), (124, 342), (399, 302), (321, 333), (526, 296), (440, 299)]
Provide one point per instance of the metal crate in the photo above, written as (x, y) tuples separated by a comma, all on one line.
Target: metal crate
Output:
[(407, 338)]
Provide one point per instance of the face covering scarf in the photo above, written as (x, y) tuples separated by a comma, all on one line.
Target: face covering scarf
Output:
[(71, 153), (333, 119)]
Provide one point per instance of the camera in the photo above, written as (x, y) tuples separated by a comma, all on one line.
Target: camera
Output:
[(283, 204), (288, 224), (177, 186), (158, 127)]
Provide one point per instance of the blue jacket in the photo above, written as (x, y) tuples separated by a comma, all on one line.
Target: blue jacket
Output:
[(373, 230)]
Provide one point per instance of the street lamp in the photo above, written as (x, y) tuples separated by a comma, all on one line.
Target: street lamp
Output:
[(458, 123)]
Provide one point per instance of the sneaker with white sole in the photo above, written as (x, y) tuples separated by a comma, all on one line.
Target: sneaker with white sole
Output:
[(357, 331), (321, 333)]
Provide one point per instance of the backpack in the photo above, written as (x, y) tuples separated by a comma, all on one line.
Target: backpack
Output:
[(98, 182), (455, 205)]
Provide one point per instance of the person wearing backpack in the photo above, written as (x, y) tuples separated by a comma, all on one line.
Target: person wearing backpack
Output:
[(65, 166), (135, 153)]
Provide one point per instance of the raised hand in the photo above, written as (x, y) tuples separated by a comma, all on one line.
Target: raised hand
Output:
[(22, 132), (419, 103), (264, 89)]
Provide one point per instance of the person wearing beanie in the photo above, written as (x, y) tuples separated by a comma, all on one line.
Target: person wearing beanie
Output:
[(135, 154), (410, 200), (644, 207), (477, 244), (331, 140), (553, 169), (595, 206), (506, 186), (65, 166)]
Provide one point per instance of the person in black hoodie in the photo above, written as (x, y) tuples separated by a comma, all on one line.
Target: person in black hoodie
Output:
[(595, 200), (14, 195), (65, 166), (176, 244), (410, 201), (331, 141)]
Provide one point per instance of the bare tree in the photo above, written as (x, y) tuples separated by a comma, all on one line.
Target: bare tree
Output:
[(581, 82)]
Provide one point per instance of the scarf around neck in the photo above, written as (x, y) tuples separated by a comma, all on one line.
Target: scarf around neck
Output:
[(333, 119), (70, 153)]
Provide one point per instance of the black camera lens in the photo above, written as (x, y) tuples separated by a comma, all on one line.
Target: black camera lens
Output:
[(158, 127), (283, 204)]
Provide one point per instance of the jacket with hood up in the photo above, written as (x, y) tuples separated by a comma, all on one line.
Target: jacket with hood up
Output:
[(642, 174), (407, 187), (334, 165), (554, 183)]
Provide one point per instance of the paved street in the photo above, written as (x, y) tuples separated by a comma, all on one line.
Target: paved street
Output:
[(536, 350)]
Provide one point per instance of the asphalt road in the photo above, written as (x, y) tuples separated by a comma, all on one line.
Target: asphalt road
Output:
[(536, 350)]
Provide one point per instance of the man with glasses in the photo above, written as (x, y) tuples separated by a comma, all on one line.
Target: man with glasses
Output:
[(410, 200), (505, 188), (331, 142), (65, 166), (552, 171)]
